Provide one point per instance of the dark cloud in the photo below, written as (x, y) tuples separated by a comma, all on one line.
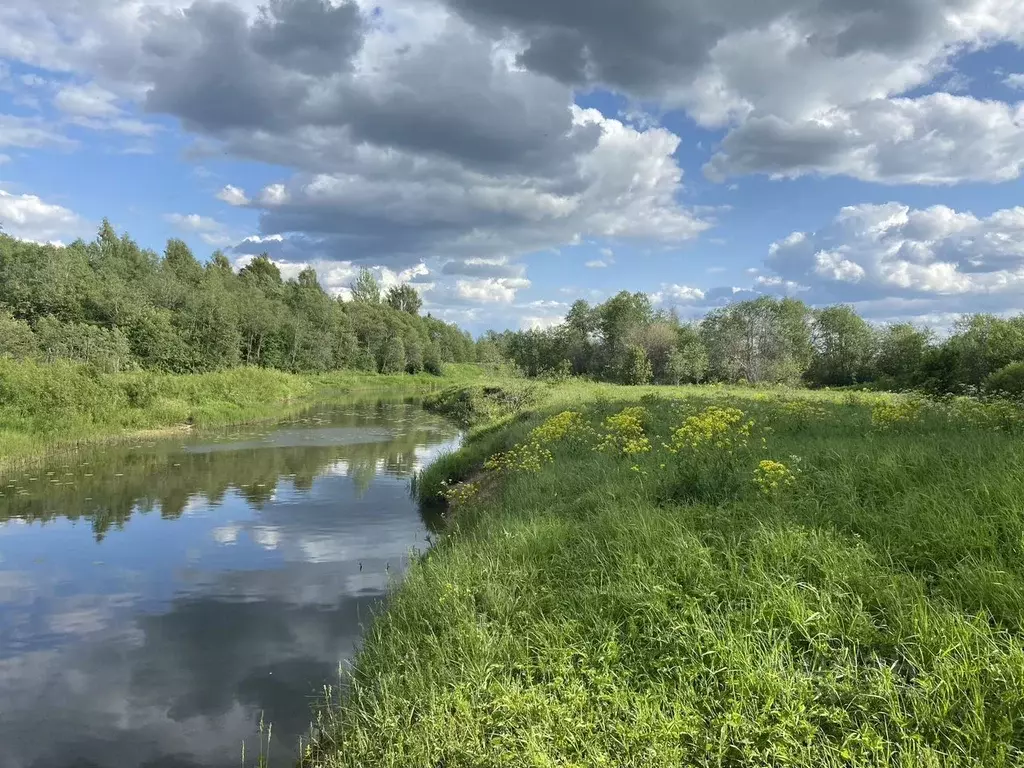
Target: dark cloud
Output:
[(311, 36), (205, 71), (646, 46), (288, 74), (483, 268)]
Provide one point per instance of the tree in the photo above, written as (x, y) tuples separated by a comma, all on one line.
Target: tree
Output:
[(219, 262), (393, 356), (413, 354), (365, 288), (764, 340), (636, 368), (16, 337), (658, 339), (181, 262), (404, 299), (617, 317), (262, 273), (688, 360), (488, 352), (901, 352), (984, 344), (432, 360), (1007, 381), (844, 345)]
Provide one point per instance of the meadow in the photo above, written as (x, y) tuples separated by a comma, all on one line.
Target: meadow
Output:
[(705, 576), (51, 408)]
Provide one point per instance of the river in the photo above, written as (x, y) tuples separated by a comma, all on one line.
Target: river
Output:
[(157, 599)]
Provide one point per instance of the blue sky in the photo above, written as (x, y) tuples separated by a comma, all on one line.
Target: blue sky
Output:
[(508, 157)]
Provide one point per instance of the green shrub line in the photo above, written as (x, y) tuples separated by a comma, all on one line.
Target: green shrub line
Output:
[(705, 576), (48, 408)]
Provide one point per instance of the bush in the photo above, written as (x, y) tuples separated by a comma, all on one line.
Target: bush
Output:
[(1007, 381), (636, 368), (16, 337)]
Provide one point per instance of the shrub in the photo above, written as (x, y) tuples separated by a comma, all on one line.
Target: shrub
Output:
[(1007, 381)]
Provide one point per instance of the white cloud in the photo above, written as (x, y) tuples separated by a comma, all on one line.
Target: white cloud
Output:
[(1015, 81), (596, 264), (29, 218), (540, 322), (30, 133), (671, 293), (89, 100), (397, 131), (94, 107), (233, 196), (274, 194), (934, 139), (942, 259), (4, 159), (209, 230), (500, 290)]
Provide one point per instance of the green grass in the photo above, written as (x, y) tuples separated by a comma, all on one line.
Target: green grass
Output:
[(48, 408), (611, 611)]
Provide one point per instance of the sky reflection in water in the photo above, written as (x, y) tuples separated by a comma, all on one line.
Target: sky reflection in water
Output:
[(155, 599)]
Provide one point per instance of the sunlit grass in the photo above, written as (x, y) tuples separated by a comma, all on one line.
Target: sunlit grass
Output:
[(674, 607), (48, 408)]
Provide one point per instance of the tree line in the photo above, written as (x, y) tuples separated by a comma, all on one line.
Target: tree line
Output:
[(116, 306), (769, 340)]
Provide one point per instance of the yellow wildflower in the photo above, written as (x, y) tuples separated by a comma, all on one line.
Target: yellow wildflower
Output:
[(625, 432), (770, 476), (720, 428)]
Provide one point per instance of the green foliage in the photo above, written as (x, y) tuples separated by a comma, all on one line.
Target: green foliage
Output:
[(53, 406), (16, 337), (392, 359), (687, 363), (900, 356), (117, 307), (404, 298), (844, 346), (365, 288), (107, 350), (765, 341), (1008, 380), (793, 587), (636, 367)]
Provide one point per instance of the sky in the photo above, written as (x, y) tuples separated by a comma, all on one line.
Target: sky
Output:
[(507, 157)]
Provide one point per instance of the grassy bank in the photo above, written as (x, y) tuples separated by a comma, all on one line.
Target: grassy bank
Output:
[(709, 577), (47, 408)]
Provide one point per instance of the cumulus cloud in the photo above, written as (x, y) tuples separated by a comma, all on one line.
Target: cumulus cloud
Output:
[(798, 84), (233, 195), (400, 206), (491, 289), (1015, 81), (29, 218), (934, 259), (671, 293), (209, 230), (396, 123), (935, 139), (94, 107)]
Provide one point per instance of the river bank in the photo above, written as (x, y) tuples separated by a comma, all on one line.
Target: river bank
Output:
[(52, 408), (708, 577)]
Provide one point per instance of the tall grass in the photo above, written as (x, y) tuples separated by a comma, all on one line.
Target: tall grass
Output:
[(652, 608), (53, 407)]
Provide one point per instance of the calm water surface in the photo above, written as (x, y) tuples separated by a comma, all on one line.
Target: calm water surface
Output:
[(155, 599)]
